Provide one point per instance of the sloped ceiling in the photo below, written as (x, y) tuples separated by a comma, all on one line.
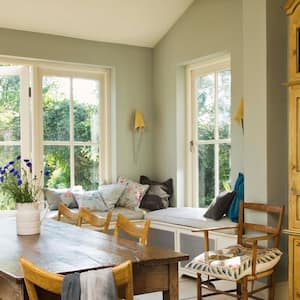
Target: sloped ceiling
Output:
[(131, 22)]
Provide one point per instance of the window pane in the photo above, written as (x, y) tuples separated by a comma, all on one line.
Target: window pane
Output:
[(224, 165), (205, 86), (87, 167), (206, 174), (224, 103), (7, 153), (9, 108), (56, 106), (86, 109), (57, 161)]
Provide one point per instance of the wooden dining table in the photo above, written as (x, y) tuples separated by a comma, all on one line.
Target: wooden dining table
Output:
[(64, 248)]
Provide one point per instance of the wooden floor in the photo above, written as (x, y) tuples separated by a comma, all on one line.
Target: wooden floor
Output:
[(187, 291)]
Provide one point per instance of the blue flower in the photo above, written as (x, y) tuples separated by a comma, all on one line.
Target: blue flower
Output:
[(16, 173), (47, 173), (1, 179), (19, 182), (12, 170), (18, 157), (26, 160), (2, 172), (11, 162), (29, 164)]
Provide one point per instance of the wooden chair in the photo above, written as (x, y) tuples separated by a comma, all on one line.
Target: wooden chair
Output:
[(245, 262), (66, 213), (131, 229), (51, 282), (92, 219)]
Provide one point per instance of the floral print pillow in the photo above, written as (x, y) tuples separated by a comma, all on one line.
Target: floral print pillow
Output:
[(133, 194)]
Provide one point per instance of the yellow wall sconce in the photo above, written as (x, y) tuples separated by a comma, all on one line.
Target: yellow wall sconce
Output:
[(239, 114), (138, 121), (139, 126)]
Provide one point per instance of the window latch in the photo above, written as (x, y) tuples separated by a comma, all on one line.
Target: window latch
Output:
[(191, 146)]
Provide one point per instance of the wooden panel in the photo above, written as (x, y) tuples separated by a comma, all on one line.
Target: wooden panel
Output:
[(147, 276), (296, 268), (294, 157), (294, 25)]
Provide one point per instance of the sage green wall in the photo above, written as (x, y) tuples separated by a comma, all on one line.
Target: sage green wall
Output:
[(206, 28), (133, 84), (254, 33), (265, 142)]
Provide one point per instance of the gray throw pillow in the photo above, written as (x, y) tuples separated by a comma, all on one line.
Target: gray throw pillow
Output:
[(55, 197), (219, 207)]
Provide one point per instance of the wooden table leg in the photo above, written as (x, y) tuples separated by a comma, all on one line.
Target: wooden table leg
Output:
[(172, 293)]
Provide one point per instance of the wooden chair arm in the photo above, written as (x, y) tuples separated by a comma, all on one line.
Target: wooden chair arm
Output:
[(214, 228), (206, 231)]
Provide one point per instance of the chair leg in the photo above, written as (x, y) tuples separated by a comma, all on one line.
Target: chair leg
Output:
[(199, 287), (272, 287), (238, 290), (245, 288)]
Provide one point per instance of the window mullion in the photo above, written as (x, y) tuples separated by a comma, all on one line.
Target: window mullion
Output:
[(72, 150), (216, 147)]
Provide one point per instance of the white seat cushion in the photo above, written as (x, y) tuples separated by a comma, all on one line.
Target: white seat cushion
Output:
[(233, 263)]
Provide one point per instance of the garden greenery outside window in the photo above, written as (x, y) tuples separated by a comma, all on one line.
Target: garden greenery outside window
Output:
[(62, 122), (209, 115)]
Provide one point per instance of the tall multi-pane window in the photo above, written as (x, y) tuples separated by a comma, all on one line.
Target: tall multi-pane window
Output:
[(71, 130), (210, 132), (61, 121)]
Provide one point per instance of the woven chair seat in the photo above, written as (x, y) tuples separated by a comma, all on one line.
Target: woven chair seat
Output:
[(234, 262)]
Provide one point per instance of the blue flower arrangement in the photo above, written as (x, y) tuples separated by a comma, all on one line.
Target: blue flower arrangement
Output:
[(18, 183)]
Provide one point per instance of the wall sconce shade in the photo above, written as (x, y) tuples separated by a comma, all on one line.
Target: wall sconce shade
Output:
[(139, 120), (239, 114)]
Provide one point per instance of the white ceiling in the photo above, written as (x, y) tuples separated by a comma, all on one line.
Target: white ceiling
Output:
[(132, 22)]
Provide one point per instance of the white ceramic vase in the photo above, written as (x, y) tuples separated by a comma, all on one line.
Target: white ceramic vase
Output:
[(28, 219)]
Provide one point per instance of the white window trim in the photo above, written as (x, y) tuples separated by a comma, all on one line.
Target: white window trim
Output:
[(201, 68), (32, 147)]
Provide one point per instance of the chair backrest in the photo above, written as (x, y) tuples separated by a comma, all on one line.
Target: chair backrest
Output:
[(124, 280), (92, 219), (34, 276), (132, 229), (276, 210), (67, 213)]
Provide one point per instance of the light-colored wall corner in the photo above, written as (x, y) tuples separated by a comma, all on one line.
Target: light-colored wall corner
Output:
[(255, 95), (206, 28), (132, 85), (277, 117), (264, 59)]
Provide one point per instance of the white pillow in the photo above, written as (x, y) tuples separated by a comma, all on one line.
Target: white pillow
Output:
[(111, 193), (133, 194)]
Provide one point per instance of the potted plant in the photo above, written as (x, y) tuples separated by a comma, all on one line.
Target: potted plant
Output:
[(23, 188)]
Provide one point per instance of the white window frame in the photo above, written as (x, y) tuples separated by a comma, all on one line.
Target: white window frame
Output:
[(216, 64), (32, 121), (25, 138)]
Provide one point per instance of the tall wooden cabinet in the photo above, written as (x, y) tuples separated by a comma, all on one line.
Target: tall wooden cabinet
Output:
[(292, 8)]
